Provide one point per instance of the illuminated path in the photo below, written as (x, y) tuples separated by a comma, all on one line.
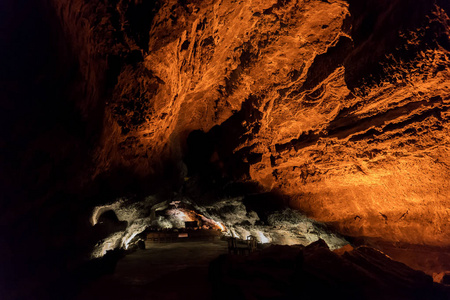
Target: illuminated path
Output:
[(165, 271)]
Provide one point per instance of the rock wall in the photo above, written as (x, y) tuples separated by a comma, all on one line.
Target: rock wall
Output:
[(341, 105)]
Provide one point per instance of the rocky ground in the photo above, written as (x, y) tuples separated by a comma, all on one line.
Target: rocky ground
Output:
[(204, 270), (315, 272)]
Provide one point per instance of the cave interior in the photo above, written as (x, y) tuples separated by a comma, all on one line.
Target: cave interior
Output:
[(138, 138)]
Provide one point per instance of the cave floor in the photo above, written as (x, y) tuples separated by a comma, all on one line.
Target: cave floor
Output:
[(164, 271)]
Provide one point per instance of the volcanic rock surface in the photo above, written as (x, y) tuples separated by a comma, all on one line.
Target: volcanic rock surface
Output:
[(341, 105), (315, 272)]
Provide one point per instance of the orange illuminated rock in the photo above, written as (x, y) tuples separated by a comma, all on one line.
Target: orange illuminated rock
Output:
[(342, 250), (345, 106)]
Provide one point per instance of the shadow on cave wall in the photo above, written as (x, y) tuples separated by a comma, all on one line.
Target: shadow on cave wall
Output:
[(376, 30), (216, 171), (46, 146), (210, 157), (45, 143)]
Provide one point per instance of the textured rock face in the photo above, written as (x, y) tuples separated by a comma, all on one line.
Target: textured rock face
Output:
[(343, 106)]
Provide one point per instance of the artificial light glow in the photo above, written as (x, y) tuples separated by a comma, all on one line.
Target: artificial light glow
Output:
[(180, 215), (131, 213), (222, 228), (262, 238), (110, 243), (216, 224), (127, 242), (98, 210), (185, 215)]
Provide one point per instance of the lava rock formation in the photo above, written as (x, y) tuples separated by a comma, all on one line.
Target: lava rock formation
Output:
[(341, 107)]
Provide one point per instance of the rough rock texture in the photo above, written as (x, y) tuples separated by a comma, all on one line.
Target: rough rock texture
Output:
[(339, 106), (314, 272), (343, 106)]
